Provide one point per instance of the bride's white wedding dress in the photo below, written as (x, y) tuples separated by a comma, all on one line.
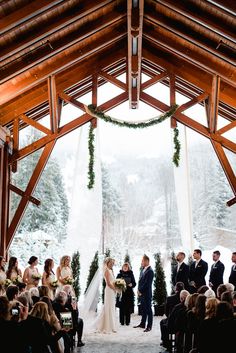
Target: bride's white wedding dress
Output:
[(107, 322)]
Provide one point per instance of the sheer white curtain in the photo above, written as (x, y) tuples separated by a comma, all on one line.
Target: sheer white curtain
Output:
[(85, 218), (183, 193)]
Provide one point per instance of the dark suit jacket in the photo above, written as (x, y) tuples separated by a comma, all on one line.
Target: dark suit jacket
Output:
[(198, 274), (216, 274), (232, 277), (171, 301), (182, 275), (145, 283)]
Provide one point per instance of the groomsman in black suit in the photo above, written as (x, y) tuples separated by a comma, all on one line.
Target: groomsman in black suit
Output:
[(181, 271), (217, 271), (232, 277), (145, 294), (198, 271)]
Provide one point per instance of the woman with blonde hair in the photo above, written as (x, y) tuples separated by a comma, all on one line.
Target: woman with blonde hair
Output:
[(211, 305), (64, 271)]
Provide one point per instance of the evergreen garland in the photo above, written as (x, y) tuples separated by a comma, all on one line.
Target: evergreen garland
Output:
[(159, 293), (93, 111), (92, 270), (91, 174), (75, 266)]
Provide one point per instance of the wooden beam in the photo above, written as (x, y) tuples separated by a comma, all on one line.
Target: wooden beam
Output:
[(53, 103), (153, 80), (22, 194), (35, 124), (191, 123), (135, 30), (214, 104), (72, 125), (182, 49), (29, 191), (192, 102), (231, 202), (226, 128), (66, 98), (113, 80), (94, 96), (225, 164), (15, 141)]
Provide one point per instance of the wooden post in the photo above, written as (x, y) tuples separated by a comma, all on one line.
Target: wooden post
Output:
[(5, 173), (173, 122), (53, 103)]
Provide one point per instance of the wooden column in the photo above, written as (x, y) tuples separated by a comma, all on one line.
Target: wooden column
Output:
[(4, 197), (53, 103), (135, 32), (173, 122)]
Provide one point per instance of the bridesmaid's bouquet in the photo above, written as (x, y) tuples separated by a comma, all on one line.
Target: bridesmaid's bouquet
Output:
[(7, 282), (54, 284), (36, 277), (120, 285), (68, 280), (17, 280)]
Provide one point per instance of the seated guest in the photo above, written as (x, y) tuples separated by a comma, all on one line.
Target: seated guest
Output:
[(171, 301), (28, 297), (43, 291), (207, 330), (217, 271), (12, 292), (227, 297), (60, 304), (210, 294), (230, 287), (34, 292), (234, 301), (181, 271), (198, 271), (225, 335), (221, 289), (202, 289), (232, 277), (191, 301), (21, 286), (195, 318)]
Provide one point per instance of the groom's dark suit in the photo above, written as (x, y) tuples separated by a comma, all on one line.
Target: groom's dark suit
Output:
[(145, 290)]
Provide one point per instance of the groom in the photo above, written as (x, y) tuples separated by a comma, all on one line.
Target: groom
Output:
[(145, 294)]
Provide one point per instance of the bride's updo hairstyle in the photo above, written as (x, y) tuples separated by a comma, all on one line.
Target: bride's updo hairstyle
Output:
[(108, 260), (63, 260)]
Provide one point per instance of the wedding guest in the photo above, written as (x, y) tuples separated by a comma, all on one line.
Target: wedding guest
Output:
[(202, 289), (31, 274), (27, 295), (13, 272), (217, 271), (230, 287), (227, 297), (12, 292), (70, 293), (43, 291), (234, 301), (173, 299), (198, 271), (49, 278), (181, 271), (3, 275), (64, 271), (210, 294), (126, 302), (60, 304), (225, 334), (232, 277), (21, 286), (195, 318), (221, 289), (34, 292)]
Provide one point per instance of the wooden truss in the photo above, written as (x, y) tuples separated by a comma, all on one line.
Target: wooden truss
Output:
[(57, 98)]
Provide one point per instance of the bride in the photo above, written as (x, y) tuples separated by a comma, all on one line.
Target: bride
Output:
[(106, 322)]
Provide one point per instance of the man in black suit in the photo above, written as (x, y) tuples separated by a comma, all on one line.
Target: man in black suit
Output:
[(198, 271), (217, 271), (232, 277), (145, 294), (181, 271)]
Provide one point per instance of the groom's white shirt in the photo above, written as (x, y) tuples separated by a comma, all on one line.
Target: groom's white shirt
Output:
[(145, 268)]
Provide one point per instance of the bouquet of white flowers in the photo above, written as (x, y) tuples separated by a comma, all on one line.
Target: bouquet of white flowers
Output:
[(36, 276), (17, 280), (54, 284), (68, 280), (120, 285), (7, 282)]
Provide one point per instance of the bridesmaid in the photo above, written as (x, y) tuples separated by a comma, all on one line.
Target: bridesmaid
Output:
[(13, 272), (49, 278), (31, 274), (3, 275), (64, 272)]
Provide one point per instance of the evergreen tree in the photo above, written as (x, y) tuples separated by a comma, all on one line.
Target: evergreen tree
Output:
[(107, 254), (127, 259), (159, 293), (190, 260), (92, 270), (75, 266), (173, 264)]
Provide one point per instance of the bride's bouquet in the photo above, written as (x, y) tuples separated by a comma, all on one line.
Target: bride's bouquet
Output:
[(120, 285)]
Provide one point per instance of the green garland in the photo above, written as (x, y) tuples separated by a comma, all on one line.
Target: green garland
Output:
[(91, 174), (176, 156), (93, 111)]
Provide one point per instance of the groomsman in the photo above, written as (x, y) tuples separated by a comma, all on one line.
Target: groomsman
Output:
[(217, 271), (198, 271), (181, 271), (232, 277)]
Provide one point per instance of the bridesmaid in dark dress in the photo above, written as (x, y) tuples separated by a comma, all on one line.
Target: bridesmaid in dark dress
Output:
[(126, 302)]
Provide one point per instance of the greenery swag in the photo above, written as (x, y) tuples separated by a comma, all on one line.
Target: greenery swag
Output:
[(93, 111)]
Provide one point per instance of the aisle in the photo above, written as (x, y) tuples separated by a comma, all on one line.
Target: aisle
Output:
[(126, 340)]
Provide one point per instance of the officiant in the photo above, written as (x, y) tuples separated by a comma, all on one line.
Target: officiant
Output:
[(125, 302)]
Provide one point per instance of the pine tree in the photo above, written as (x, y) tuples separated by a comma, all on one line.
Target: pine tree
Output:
[(107, 254), (127, 259), (75, 266), (92, 270), (173, 264), (159, 293)]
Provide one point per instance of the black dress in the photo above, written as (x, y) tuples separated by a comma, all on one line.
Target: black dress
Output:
[(126, 302)]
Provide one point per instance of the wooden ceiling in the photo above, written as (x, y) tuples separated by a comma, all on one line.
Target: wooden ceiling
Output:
[(194, 39)]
